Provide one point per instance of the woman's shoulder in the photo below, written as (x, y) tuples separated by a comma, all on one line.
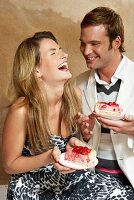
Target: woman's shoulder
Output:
[(16, 119), (19, 107)]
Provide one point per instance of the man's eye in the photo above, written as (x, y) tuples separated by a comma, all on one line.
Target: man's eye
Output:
[(95, 44), (82, 43)]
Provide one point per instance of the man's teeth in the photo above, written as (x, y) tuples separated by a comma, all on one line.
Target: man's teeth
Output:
[(91, 58)]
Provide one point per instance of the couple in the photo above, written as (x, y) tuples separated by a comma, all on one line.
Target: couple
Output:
[(46, 103)]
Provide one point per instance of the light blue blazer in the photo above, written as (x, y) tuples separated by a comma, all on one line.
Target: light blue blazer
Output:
[(123, 144)]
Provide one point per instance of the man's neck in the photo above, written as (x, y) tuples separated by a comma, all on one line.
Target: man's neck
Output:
[(106, 73)]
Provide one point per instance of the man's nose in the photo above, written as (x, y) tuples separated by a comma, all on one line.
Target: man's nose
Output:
[(87, 50)]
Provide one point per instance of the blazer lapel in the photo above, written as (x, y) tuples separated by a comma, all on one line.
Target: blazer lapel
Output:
[(126, 95)]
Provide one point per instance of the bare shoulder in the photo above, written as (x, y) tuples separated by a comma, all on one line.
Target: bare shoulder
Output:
[(18, 109), (19, 106), (16, 121)]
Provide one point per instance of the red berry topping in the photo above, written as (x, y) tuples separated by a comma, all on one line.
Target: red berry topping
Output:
[(81, 150)]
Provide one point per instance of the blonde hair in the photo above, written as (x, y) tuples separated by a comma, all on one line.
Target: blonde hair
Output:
[(26, 84)]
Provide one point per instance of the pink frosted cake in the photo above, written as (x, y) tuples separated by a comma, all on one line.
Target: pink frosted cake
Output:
[(109, 109), (81, 155)]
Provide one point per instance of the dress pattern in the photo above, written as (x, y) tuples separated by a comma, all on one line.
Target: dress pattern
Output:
[(46, 183)]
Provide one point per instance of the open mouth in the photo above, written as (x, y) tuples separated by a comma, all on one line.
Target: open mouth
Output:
[(63, 66)]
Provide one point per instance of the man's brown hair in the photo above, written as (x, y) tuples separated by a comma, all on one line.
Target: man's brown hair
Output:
[(110, 19)]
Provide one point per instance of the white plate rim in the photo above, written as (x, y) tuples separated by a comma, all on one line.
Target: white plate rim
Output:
[(75, 165)]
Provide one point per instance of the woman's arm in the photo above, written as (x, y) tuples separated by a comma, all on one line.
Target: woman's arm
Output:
[(14, 136)]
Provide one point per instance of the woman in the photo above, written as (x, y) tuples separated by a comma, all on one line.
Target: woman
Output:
[(41, 117)]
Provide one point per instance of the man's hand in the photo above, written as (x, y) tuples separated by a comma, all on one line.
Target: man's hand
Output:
[(125, 126), (75, 142), (86, 124)]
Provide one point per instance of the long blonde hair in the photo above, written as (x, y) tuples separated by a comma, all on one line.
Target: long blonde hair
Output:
[(27, 85)]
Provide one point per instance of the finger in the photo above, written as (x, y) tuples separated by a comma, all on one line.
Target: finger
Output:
[(85, 129), (85, 125), (78, 118), (128, 117), (78, 143), (74, 142), (86, 139), (56, 153), (92, 115), (62, 168), (86, 132), (79, 121), (87, 135), (79, 114), (91, 132), (85, 119), (82, 116), (109, 122)]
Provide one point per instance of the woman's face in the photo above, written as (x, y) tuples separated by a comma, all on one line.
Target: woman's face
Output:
[(53, 67)]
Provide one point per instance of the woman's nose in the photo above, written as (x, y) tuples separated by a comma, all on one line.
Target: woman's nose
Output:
[(64, 55)]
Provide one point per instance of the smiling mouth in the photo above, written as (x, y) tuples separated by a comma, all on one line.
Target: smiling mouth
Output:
[(63, 66), (91, 58)]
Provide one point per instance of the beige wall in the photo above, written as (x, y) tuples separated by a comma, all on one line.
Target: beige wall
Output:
[(22, 18)]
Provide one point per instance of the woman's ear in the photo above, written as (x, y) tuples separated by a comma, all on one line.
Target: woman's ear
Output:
[(37, 72)]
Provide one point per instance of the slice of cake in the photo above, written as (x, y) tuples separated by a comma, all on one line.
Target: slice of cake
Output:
[(81, 155), (108, 109)]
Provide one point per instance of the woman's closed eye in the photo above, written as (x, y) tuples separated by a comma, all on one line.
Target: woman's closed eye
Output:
[(53, 53)]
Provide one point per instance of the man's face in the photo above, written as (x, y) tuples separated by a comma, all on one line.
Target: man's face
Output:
[(95, 47)]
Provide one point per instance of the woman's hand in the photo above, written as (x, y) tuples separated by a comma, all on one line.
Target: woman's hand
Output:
[(86, 124), (125, 126), (55, 161)]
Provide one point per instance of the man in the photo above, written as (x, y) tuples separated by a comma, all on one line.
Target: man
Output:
[(109, 78)]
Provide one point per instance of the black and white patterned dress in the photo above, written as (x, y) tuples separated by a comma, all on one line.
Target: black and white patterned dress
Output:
[(46, 183)]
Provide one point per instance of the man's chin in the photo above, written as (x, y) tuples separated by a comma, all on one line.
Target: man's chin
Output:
[(89, 66)]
